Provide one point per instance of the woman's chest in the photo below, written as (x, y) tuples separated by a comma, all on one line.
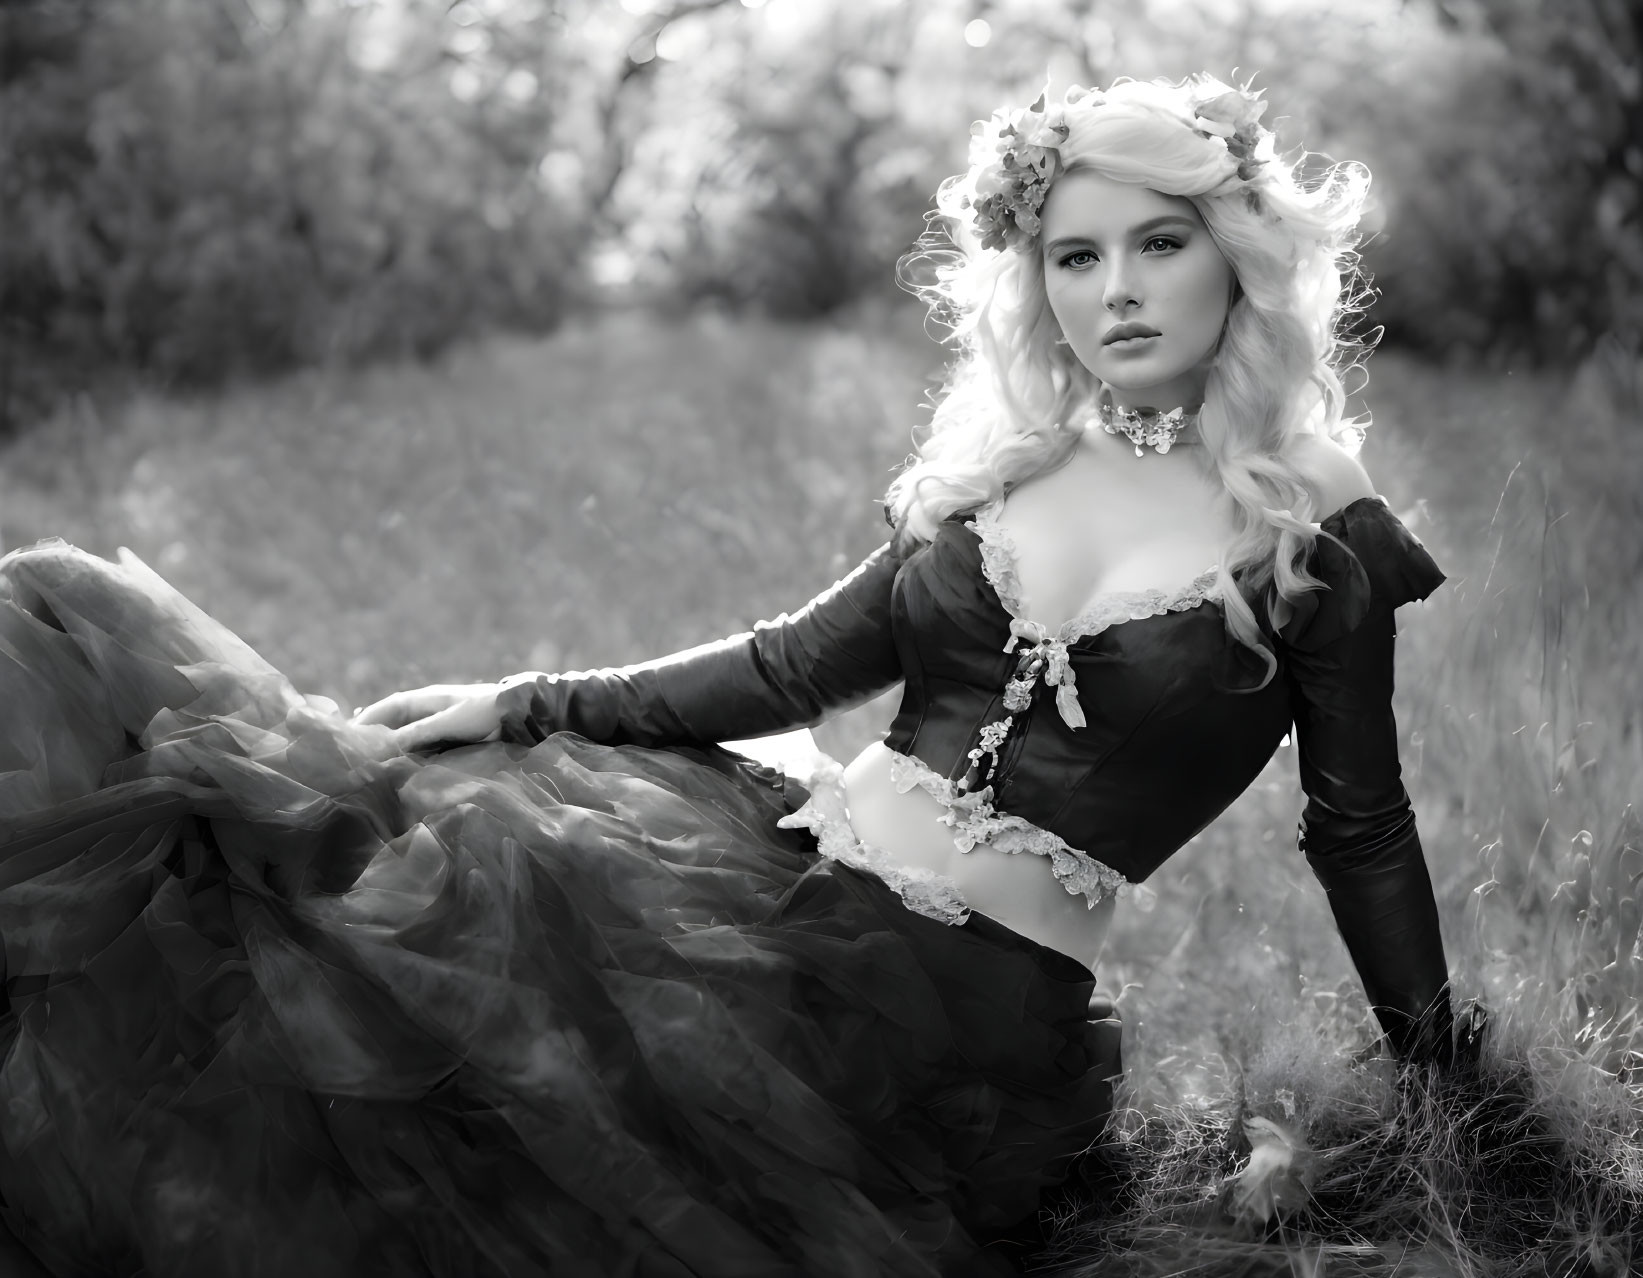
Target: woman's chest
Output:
[(959, 624), (1088, 531)]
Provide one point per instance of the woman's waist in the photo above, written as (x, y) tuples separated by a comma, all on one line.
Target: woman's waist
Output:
[(910, 823), (896, 800), (1058, 897)]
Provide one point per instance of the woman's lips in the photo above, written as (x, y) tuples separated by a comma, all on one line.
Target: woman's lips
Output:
[(1128, 335)]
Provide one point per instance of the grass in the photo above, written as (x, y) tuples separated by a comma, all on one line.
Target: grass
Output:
[(636, 486)]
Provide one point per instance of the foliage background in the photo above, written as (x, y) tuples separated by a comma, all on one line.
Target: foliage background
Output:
[(195, 190)]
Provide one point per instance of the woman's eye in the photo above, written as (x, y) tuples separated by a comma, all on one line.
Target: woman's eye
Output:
[(1079, 258), (1161, 243)]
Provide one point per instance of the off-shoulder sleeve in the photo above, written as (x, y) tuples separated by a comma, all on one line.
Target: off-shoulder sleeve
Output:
[(793, 672), (1358, 828), (1384, 565)]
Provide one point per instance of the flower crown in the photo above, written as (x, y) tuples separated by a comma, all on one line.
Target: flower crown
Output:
[(1014, 155)]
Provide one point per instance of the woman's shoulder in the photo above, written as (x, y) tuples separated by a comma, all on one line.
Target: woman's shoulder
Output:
[(1368, 558), (1335, 476)]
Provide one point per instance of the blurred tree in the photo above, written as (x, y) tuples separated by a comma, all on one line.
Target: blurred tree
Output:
[(781, 156), (751, 175), (1514, 150), (199, 189), (784, 158)]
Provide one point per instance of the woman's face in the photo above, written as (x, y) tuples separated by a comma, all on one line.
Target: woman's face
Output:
[(1138, 286)]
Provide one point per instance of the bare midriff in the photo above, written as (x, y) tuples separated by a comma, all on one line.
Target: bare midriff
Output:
[(1016, 889)]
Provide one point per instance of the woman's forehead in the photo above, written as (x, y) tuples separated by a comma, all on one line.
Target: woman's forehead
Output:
[(1084, 202)]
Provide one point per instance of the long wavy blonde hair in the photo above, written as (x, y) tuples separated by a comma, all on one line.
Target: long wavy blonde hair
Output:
[(1015, 400)]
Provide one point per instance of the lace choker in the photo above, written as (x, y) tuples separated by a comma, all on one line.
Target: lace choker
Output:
[(1146, 425)]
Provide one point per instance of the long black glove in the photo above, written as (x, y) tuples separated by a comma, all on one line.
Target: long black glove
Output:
[(793, 672), (1358, 830)]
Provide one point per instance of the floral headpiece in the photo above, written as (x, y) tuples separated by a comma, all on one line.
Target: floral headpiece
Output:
[(1015, 154)]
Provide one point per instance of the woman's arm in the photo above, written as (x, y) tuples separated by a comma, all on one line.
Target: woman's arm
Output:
[(1358, 827), (1359, 836), (795, 671)]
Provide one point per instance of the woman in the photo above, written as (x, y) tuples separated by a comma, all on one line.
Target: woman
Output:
[(593, 995)]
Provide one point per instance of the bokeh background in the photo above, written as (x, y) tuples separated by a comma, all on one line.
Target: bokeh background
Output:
[(424, 341)]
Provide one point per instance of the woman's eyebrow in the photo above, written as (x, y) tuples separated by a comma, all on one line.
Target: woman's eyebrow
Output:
[(1139, 229)]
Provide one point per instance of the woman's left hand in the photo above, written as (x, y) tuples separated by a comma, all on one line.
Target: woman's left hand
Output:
[(442, 712)]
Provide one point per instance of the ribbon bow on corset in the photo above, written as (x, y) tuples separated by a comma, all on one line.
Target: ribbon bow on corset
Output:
[(1046, 659)]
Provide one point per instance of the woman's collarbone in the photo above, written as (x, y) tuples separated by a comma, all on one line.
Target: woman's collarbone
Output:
[(1074, 546)]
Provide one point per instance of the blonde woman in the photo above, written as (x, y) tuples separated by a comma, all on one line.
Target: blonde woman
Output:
[(593, 995)]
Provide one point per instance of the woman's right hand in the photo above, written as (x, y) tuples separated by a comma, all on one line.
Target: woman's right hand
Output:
[(441, 712)]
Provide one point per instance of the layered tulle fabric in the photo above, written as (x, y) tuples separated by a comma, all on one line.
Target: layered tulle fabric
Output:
[(282, 1000)]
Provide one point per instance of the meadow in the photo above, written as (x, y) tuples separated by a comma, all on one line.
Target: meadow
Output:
[(635, 484)]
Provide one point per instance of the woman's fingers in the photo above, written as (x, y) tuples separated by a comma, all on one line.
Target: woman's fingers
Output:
[(423, 717), (475, 717), (423, 732), (399, 708)]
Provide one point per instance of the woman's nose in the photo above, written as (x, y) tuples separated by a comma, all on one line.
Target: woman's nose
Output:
[(1121, 288)]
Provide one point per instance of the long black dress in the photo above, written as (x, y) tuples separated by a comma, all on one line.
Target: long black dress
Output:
[(281, 999)]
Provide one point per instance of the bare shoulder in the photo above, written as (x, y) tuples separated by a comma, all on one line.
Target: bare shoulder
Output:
[(1337, 477)]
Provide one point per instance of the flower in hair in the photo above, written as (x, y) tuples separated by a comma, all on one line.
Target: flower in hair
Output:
[(1014, 157), (1234, 116)]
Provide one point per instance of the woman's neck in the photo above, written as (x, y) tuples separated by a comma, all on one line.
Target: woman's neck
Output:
[(1160, 404), (1185, 393)]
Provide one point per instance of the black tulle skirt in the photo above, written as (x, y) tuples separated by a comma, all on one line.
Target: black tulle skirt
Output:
[(283, 1000)]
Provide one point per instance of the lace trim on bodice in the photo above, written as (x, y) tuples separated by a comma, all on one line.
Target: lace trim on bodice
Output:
[(1046, 656), (827, 816), (975, 822), (998, 562)]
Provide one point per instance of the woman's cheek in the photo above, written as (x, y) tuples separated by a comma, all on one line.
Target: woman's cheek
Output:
[(1076, 310)]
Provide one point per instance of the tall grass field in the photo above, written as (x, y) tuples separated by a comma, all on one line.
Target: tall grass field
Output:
[(637, 485)]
